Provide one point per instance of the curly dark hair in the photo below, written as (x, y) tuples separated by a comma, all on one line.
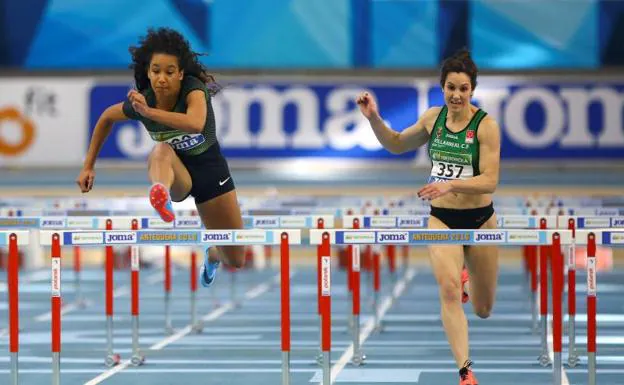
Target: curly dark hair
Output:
[(461, 61), (171, 42)]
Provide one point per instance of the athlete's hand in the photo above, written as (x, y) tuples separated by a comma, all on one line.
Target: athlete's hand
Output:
[(367, 104), (435, 190), (138, 102), (85, 179)]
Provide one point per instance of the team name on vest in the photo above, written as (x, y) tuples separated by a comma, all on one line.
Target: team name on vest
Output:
[(120, 237), (217, 237), (490, 237), (394, 237), (450, 144)]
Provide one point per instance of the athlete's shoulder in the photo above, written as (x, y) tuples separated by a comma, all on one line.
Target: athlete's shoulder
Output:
[(190, 83), (433, 111)]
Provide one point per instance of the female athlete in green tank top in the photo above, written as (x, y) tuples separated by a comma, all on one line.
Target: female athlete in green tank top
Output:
[(463, 143)]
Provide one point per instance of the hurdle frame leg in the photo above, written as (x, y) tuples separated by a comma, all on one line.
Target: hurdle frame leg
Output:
[(137, 358), (111, 359), (358, 356), (13, 297)]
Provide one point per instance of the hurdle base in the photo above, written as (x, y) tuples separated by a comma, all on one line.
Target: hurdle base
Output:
[(544, 360), (169, 330), (197, 328), (112, 360), (137, 360), (573, 360), (358, 359)]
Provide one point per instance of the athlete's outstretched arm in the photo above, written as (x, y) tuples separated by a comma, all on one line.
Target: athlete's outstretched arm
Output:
[(489, 162), (101, 131), (397, 142), (192, 121)]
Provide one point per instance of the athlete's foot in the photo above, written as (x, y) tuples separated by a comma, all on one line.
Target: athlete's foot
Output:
[(464, 281), (466, 377), (208, 271), (161, 202)]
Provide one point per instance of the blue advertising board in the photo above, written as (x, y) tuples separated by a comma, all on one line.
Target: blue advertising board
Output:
[(319, 119)]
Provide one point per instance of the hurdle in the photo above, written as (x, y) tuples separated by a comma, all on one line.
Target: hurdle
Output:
[(591, 238), (14, 239), (554, 238), (283, 237)]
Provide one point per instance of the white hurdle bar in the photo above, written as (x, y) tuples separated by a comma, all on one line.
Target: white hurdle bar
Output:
[(283, 237), (548, 237)]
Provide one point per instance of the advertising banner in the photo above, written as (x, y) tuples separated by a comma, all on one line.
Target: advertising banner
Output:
[(551, 119), (43, 121)]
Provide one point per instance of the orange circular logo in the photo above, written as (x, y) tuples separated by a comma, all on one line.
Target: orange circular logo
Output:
[(28, 132)]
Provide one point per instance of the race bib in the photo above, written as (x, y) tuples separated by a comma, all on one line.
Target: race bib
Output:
[(448, 166), (443, 171)]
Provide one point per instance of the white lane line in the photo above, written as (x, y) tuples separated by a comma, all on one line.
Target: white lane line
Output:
[(216, 313), (368, 328)]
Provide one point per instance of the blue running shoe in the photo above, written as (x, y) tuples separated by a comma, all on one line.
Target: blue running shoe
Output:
[(208, 271)]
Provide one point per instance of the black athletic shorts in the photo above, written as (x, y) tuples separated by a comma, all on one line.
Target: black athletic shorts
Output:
[(210, 174), (465, 219)]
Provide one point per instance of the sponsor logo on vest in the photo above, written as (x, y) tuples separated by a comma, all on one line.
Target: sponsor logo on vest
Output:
[(120, 237), (490, 237), (470, 136), (186, 142), (394, 237)]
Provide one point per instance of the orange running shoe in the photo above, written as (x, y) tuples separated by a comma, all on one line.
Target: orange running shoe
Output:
[(161, 202), (464, 280), (466, 377)]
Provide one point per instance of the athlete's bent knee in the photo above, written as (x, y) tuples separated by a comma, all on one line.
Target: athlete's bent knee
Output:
[(450, 291), (160, 152), (483, 311)]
